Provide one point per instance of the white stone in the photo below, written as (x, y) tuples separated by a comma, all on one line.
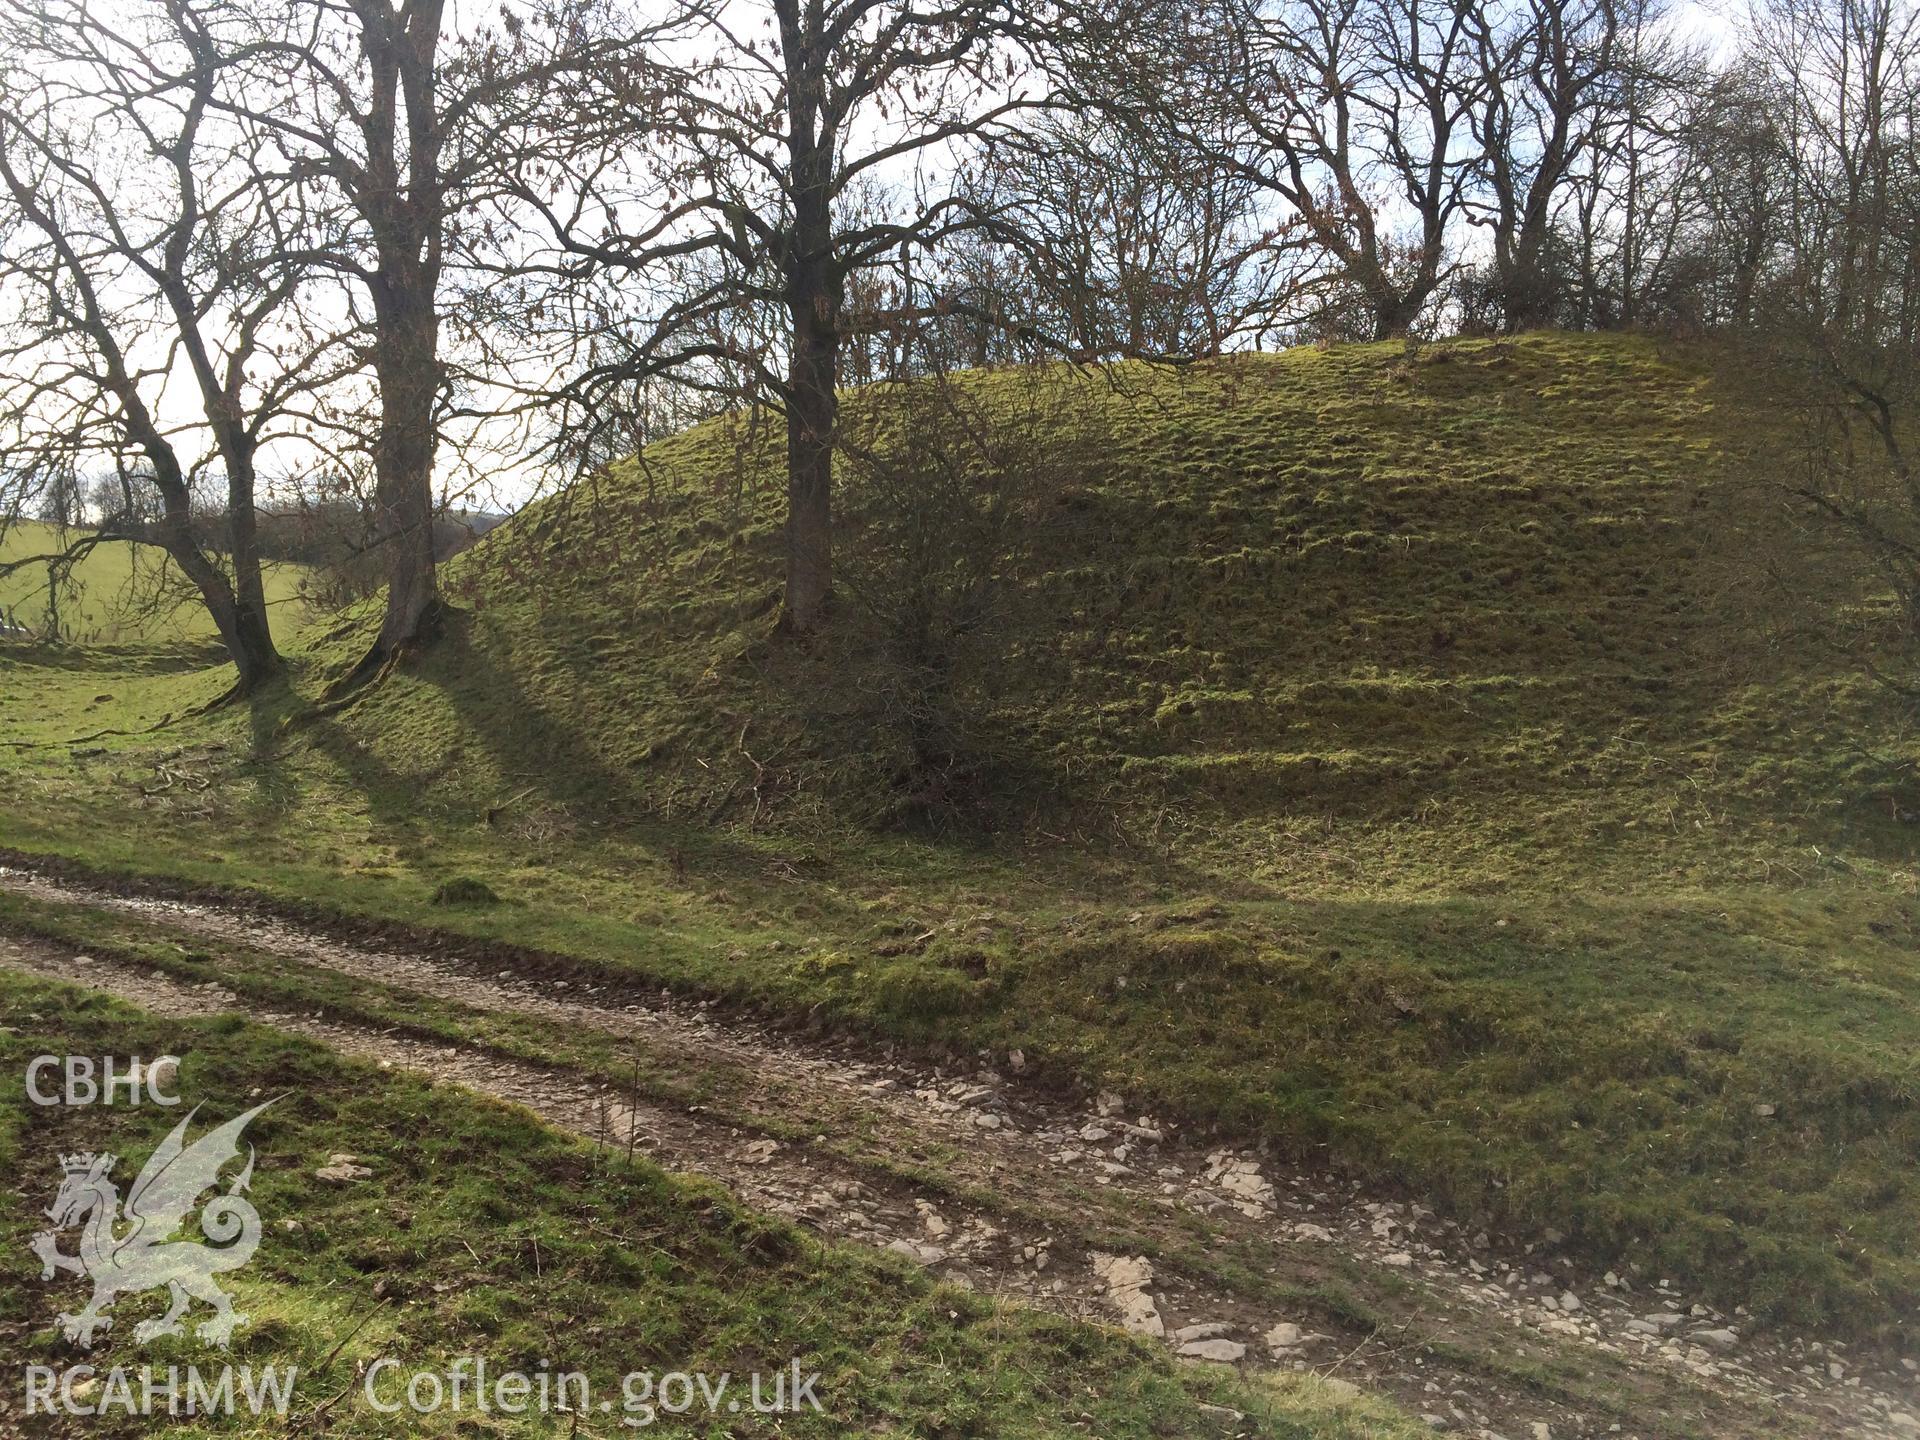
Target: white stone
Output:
[(916, 1252), (340, 1169), (1224, 1352), (1207, 1330), (1126, 1279)]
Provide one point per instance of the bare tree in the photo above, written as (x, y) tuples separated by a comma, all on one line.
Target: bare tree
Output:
[(1839, 310), (951, 490), (400, 137), (1633, 191), (1545, 69), (145, 240), (815, 139), (1736, 145), (1348, 114), (1130, 241), (1845, 72)]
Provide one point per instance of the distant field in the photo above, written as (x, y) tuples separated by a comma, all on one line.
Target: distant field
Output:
[(121, 593)]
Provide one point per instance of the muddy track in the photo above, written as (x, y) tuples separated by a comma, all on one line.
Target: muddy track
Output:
[(996, 1186)]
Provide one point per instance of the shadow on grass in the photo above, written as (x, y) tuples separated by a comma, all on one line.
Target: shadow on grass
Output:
[(157, 659)]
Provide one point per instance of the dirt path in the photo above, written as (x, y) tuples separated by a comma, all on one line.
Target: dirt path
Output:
[(1096, 1212)]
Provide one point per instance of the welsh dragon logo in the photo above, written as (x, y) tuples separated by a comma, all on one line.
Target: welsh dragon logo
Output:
[(129, 1250)]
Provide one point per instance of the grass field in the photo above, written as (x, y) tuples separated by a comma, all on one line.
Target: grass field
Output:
[(120, 593), (552, 1256), (1450, 766)]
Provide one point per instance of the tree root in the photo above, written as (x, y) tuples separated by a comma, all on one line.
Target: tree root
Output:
[(342, 695), (368, 674)]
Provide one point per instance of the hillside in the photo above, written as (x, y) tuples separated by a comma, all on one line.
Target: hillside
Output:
[(1290, 593), (1437, 765), (121, 593)]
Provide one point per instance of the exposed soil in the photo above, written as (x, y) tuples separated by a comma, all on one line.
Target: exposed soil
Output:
[(998, 1186)]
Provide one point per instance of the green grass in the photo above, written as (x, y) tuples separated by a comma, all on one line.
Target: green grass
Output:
[(121, 593), (1453, 770), (549, 1252), (1350, 1295)]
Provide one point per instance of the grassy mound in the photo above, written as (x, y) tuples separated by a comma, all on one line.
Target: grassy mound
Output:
[(1267, 598), (1448, 764)]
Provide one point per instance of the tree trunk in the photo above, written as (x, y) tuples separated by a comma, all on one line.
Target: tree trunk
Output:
[(253, 648), (406, 363), (241, 620), (1528, 299), (242, 627), (813, 377), (403, 195), (1393, 315)]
